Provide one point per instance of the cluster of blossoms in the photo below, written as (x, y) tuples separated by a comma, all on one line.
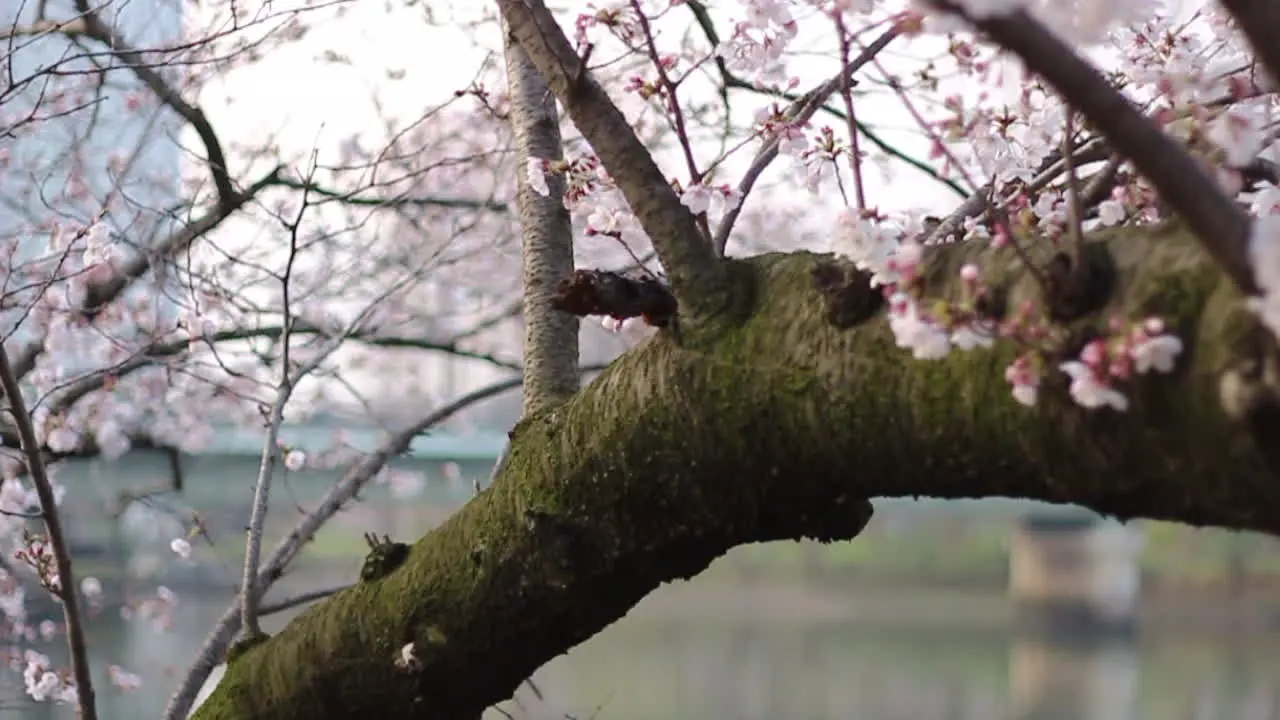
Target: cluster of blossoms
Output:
[(931, 330), (32, 555), (1002, 138), (36, 554), (44, 681), (1102, 364)]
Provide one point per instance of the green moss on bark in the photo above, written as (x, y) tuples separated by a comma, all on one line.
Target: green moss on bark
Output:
[(765, 425)]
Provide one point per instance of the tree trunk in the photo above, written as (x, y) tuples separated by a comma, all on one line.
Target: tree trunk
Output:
[(550, 337), (762, 423)]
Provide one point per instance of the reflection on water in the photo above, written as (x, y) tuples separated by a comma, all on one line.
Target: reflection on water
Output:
[(652, 669)]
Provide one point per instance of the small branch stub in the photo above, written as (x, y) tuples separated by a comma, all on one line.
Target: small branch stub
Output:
[(1075, 291), (383, 558), (244, 645), (846, 293), (601, 292)]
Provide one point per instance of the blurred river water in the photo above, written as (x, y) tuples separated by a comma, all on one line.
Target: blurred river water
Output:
[(662, 665)]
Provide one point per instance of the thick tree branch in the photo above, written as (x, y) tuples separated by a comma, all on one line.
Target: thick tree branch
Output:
[(686, 255), (550, 336), (213, 651), (1220, 224), (769, 428)]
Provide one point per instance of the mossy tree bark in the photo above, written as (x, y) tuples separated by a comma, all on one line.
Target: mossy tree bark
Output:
[(768, 423), (768, 412)]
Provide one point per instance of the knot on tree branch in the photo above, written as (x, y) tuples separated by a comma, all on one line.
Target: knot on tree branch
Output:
[(846, 293), (1074, 290), (601, 292), (383, 558), (1249, 390)]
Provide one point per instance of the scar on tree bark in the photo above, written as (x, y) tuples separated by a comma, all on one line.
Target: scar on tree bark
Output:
[(847, 294), (602, 292)]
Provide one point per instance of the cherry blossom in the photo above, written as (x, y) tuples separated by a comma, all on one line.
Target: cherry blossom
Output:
[(916, 332), (536, 172), (700, 198), (1153, 348), (123, 679), (1023, 374), (295, 460), (181, 547), (1090, 389)]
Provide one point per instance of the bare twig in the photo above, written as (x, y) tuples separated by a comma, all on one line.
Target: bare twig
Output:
[(289, 379), (391, 201), (65, 587), (846, 94), (300, 599), (670, 90), (1075, 210)]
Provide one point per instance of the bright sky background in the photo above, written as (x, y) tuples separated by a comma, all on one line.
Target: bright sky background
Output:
[(321, 104)]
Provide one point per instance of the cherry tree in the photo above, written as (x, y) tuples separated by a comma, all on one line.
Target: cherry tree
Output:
[(1092, 321), (162, 278)]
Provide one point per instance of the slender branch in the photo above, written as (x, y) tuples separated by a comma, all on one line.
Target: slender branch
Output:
[(800, 111), (1075, 207), (980, 202), (1221, 226), (846, 94), (249, 593), (71, 393), (732, 81), (398, 200), (300, 599), (673, 110), (70, 28), (695, 273), (370, 338), (550, 337), (65, 587), (1260, 22)]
